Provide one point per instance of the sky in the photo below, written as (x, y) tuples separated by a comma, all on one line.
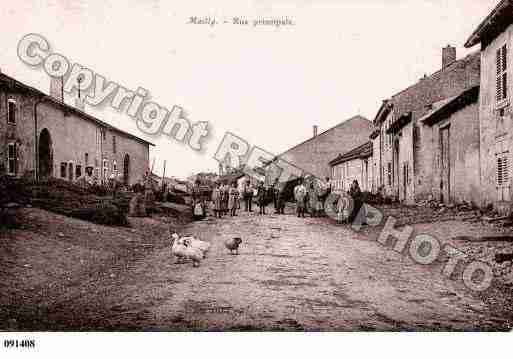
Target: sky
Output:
[(267, 85)]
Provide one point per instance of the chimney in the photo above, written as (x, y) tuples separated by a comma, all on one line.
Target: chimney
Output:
[(315, 130), (79, 103), (448, 56), (56, 88)]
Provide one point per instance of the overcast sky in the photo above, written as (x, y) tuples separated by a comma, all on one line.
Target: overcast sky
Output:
[(341, 58)]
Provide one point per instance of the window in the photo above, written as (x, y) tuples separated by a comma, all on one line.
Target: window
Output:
[(114, 166), (406, 169), (502, 170), (64, 167), (105, 168), (87, 159), (113, 144), (104, 135), (11, 112), (70, 171), (78, 171), (389, 173), (11, 159), (502, 74)]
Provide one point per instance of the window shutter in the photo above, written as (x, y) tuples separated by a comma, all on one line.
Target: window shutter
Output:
[(504, 58), (502, 75), (502, 170), (499, 171), (499, 61), (499, 89), (504, 85)]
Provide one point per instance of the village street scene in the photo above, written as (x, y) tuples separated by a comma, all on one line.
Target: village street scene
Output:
[(398, 222)]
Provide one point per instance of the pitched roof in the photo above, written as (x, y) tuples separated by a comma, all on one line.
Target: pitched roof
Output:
[(495, 23), (363, 151), (343, 123), (449, 106), (415, 101), (9, 81)]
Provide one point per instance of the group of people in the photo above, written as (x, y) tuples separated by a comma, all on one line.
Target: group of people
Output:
[(225, 199), (311, 197)]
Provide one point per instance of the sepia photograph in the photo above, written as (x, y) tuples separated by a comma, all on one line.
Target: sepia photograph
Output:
[(262, 166)]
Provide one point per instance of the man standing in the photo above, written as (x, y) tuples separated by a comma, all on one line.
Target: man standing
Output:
[(300, 196), (261, 197), (273, 191), (248, 196), (280, 199)]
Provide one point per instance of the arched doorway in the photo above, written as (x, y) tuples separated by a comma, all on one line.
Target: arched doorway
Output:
[(126, 169), (45, 155)]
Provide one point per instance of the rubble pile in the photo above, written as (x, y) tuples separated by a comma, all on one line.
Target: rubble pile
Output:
[(430, 211)]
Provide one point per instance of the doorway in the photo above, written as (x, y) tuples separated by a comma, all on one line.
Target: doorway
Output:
[(445, 167), (126, 169), (45, 155)]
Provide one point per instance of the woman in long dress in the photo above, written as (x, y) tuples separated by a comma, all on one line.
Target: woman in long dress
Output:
[(216, 201), (300, 197), (313, 200), (233, 199)]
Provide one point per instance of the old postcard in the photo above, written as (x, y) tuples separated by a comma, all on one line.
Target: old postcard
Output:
[(255, 166)]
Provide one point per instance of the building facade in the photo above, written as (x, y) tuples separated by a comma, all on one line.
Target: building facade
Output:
[(495, 35), (355, 165), (406, 145), (42, 137), (312, 156), (455, 136)]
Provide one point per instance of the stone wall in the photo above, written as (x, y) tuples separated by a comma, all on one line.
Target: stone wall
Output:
[(463, 156), (496, 121), (74, 140)]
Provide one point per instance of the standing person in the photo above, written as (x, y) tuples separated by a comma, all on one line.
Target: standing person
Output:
[(356, 194), (198, 202), (325, 190), (313, 200), (280, 199), (273, 191), (300, 197), (233, 199), (248, 196), (224, 198), (261, 197), (216, 200)]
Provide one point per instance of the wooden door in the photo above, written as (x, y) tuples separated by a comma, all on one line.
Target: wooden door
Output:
[(445, 180)]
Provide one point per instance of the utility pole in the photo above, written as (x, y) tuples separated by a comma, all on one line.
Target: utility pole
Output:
[(163, 175)]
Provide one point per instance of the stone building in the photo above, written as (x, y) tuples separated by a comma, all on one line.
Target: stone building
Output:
[(404, 147), (495, 35), (43, 137), (455, 136), (312, 156), (353, 165)]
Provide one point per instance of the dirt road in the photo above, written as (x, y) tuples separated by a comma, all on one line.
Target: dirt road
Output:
[(291, 274)]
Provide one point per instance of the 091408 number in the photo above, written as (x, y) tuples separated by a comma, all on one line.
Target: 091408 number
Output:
[(15, 343)]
